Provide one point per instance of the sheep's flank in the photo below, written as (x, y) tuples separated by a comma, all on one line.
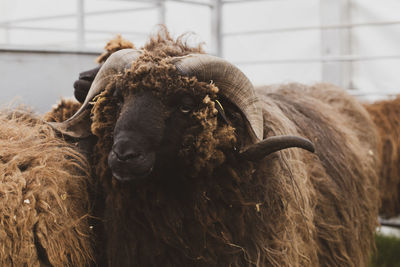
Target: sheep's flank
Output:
[(44, 202)]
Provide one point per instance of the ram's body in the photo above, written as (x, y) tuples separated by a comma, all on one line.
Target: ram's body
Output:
[(44, 203), (292, 208), (201, 203), (341, 179)]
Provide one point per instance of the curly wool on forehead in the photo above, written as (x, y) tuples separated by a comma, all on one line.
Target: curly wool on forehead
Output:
[(161, 77), (162, 44)]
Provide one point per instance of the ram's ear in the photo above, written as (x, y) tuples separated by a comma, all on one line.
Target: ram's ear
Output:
[(82, 85), (272, 144)]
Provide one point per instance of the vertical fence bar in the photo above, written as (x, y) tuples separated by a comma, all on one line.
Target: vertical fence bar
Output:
[(80, 23), (4, 28), (216, 28), (336, 42), (6, 35), (161, 12)]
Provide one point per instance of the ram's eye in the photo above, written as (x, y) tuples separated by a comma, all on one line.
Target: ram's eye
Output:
[(186, 104), (235, 118), (185, 109)]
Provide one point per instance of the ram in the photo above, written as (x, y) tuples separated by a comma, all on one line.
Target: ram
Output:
[(195, 171)]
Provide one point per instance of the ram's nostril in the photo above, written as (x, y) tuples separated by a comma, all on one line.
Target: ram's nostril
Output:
[(127, 155)]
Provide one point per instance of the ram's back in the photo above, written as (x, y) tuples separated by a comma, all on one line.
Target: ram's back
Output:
[(342, 173)]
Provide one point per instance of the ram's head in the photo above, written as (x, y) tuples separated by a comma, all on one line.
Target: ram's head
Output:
[(159, 114)]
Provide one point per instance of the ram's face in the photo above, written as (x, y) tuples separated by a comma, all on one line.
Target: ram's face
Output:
[(165, 126), (137, 135), (150, 131), (168, 121), (159, 115)]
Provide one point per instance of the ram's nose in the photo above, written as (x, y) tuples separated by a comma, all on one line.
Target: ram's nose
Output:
[(125, 153), (128, 162)]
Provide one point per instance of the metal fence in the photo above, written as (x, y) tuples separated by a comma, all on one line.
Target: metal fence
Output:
[(335, 26)]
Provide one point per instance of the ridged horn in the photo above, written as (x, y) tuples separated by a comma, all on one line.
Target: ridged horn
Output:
[(78, 126), (275, 143), (231, 82)]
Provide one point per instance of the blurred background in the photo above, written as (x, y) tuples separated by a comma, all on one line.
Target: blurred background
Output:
[(355, 44)]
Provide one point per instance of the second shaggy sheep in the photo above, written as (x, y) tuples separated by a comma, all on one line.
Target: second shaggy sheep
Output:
[(44, 201)]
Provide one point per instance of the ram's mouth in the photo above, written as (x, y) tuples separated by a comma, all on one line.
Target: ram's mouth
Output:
[(130, 177), (130, 170)]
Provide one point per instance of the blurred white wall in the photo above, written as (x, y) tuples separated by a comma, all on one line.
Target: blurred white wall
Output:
[(274, 46), (383, 75), (39, 79)]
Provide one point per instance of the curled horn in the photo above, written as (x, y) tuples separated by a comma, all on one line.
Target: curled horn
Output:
[(275, 143), (234, 85), (231, 82), (78, 126)]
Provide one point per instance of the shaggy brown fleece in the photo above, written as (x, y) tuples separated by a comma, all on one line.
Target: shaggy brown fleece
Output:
[(292, 208), (342, 176), (43, 197), (62, 111), (386, 116)]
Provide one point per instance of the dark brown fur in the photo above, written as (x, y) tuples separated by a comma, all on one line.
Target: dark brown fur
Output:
[(293, 208), (344, 176), (386, 116), (44, 203)]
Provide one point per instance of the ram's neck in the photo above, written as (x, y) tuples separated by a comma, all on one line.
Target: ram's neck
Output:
[(174, 220)]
